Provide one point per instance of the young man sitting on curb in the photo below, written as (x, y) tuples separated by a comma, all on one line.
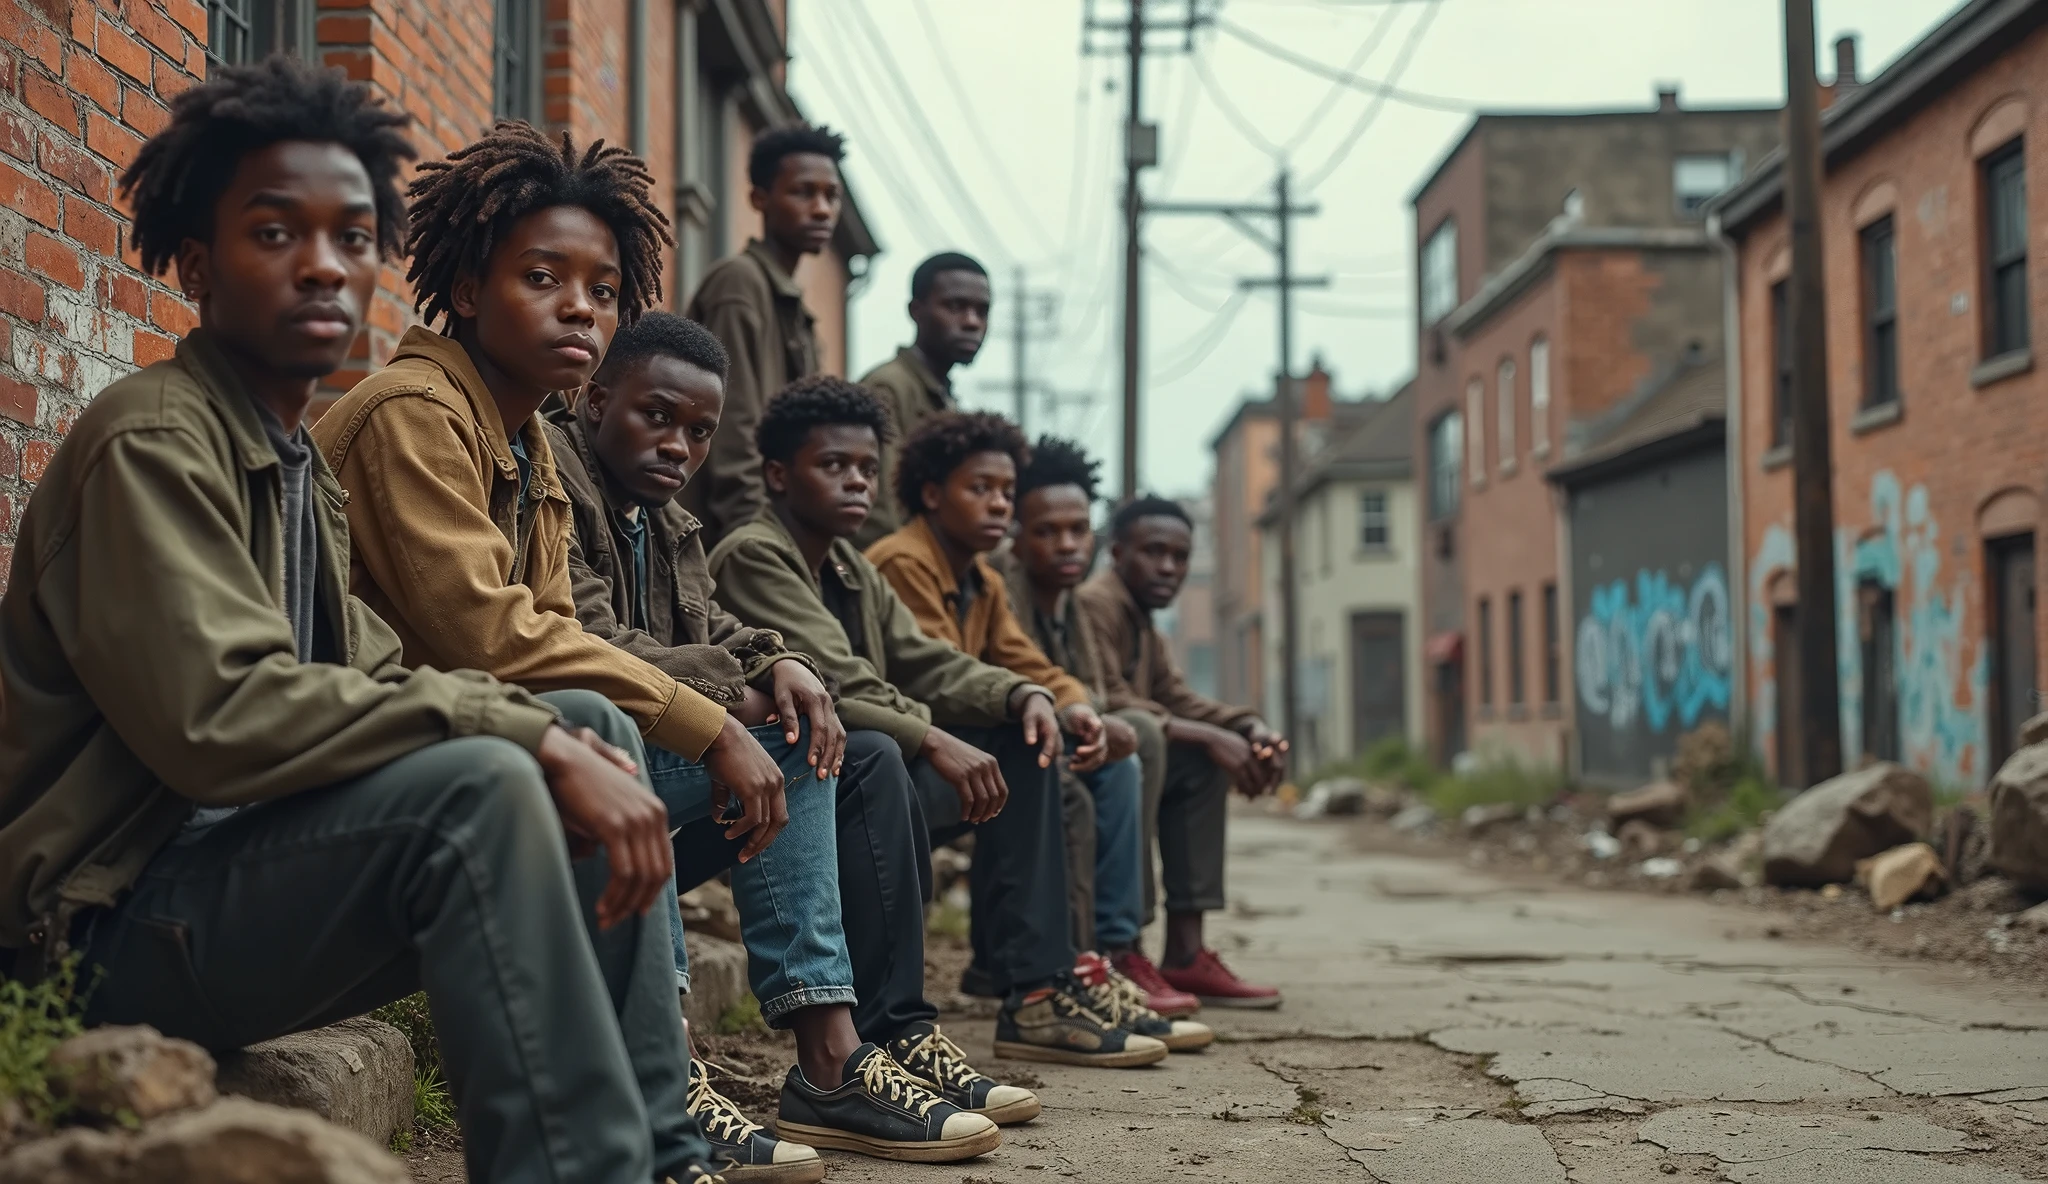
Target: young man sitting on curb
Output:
[(987, 761), (641, 428), (531, 255), (220, 784), (1210, 747), (960, 473)]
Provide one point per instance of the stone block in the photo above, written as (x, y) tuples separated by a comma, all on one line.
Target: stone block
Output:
[(1818, 837), (133, 1073), (356, 1074), (718, 978)]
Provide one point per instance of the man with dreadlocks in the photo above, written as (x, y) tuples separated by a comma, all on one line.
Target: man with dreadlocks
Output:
[(754, 306), (223, 789)]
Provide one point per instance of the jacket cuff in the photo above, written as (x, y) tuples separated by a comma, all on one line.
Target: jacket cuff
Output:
[(759, 667), (523, 723), (1013, 703), (688, 725)]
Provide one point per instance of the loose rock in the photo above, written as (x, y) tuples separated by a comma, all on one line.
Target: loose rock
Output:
[(1415, 818), (1333, 796), (1714, 873), (1899, 875), (1818, 837), (2018, 822), (1640, 840), (138, 1073), (1477, 820), (2034, 731), (2034, 920), (234, 1141), (356, 1074), (709, 909), (1660, 804)]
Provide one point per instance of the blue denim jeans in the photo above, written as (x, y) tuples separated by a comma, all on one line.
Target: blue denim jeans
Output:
[(1117, 788), (788, 895)]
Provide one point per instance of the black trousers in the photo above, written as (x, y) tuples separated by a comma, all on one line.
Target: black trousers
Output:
[(884, 878), (1018, 877)]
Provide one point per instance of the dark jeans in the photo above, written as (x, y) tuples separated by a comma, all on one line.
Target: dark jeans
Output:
[(885, 861), (445, 870), (1187, 801), (1018, 878)]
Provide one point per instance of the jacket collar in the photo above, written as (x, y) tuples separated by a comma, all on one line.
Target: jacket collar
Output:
[(842, 558), (202, 358), (785, 284), (667, 525), (919, 536), (1138, 613), (447, 355), (913, 359)]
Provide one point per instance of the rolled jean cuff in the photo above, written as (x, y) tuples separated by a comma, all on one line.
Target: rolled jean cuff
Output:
[(1200, 904), (774, 1012)]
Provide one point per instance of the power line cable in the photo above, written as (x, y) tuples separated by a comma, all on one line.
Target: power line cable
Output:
[(1245, 127), (1204, 342), (1011, 190), (1379, 102), (1368, 85), (1336, 89)]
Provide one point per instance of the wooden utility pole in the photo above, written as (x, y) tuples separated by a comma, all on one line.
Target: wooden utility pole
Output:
[(1817, 715)]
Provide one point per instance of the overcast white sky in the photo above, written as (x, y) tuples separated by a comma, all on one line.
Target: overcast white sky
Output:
[(1032, 167)]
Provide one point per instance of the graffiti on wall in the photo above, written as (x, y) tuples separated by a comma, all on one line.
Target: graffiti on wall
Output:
[(1653, 652), (1942, 669)]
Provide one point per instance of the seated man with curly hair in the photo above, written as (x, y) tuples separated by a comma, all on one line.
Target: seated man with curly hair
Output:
[(980, 740), (957, 473), (221, 783)]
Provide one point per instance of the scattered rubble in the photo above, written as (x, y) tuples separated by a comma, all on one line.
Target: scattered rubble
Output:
[(124, 1074), (1900, 875), (1819, 835), (709, 909), (1477, 820), (1640, 839), (1659, 804), (1414, 819), (2018, 822), (1333, 796)]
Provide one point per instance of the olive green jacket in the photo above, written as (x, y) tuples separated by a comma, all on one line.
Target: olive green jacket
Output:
[(688, 635), (900, 682), (913, 394), (146, 665), (756, 310)]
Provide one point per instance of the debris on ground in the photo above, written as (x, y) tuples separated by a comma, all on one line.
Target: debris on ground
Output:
[(1659, 804), (1900, 875), (2018, 822), (1819, 835)]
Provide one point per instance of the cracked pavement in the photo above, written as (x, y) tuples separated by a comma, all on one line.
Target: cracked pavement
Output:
[(1445, 1026)]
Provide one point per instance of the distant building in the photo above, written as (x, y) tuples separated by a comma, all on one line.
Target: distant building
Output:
[(1564, 273), (1356, 561), (1247, 470), (1938, 405), (1190, 625), (1649, 630)]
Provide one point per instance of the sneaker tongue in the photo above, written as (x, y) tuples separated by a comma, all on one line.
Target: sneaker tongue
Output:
[(860, 1057)]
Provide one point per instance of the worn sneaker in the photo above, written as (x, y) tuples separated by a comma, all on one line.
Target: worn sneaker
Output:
[(1208, 979), (1056, 1024), (938, 1064), (976, 983), (1118, 1000), (1160, 995), (749, 1152), (882, 1111)]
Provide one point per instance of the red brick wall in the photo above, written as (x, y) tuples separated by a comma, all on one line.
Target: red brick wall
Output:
[(1908, 495), (81, 85)]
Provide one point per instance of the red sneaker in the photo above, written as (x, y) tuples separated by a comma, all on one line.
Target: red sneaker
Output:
[(1215, 984), (1160, 995)]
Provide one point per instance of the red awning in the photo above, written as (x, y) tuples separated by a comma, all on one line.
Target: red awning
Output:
[(1444, 648)]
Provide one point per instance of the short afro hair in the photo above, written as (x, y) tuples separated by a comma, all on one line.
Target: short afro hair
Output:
[(944, 442), (178, 175), (665, 334), (820, 401), (1147, 506), (463, 206), (930, 270), (765, 160), (1055, 461)]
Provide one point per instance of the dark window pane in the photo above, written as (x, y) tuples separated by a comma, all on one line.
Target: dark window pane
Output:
[(1515, 648), (2009, 302), (2005, 241), (1484, 654), (1781, 364), (227, 32), (1550, 648), (1880, 314)]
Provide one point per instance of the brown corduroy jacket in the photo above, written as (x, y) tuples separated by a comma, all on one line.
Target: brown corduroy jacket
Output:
[(465, 573), (1136, 666)]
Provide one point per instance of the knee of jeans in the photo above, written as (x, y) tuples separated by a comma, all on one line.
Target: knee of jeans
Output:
[(499, 777), (588, 709)]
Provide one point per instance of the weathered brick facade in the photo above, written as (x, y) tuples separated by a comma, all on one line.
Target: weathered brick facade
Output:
[(1935, 496), (83, 82)]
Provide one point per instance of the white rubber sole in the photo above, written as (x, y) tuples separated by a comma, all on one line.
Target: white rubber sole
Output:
[(1017, 1050), (933, 1151)]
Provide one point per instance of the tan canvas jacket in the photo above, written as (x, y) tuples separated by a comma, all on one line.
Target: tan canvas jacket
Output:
[(146, 665), (1137, 669), (446, 553)]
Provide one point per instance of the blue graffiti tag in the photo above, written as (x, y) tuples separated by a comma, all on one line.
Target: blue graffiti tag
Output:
[(1666, 653)]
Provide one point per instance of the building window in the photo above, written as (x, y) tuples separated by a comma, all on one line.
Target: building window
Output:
[(1475, 410), (1880, 314), (1323, 529), (1781, 365), (2005, 221), (1551, 654), (1696, 180), (516, 90), (1484, 653), (1539, 396), (1515, 684), (1505, 398), (242, 31), (1375, 523), (1446, 464), (1440, 273)]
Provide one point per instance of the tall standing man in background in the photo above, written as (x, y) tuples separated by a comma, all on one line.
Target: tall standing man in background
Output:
[(949, 302), (751, 302)]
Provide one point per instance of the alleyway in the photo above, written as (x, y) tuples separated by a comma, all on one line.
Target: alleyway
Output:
[(1628, 1039)]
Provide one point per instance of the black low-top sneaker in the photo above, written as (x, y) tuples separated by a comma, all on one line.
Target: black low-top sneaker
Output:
[(1055, 1023), (938, 1064), (750, 1154), (882, 1111), (1122, 1002), (976, 983)]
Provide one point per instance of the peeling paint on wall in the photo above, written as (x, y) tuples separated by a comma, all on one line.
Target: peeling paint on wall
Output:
[(1943, 667)]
